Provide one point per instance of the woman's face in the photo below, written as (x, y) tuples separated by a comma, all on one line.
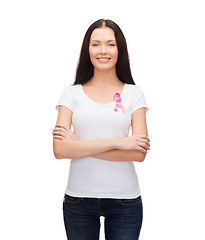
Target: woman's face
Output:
[(103, 48)]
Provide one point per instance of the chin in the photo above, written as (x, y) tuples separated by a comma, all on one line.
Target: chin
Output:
[(104, 68)]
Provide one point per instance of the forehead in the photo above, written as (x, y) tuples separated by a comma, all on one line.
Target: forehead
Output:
[(102, 34)]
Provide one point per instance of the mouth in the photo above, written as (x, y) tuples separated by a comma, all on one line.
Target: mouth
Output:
[(103, 59)]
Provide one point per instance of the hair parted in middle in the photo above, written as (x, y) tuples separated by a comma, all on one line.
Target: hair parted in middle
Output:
[(85, 69)]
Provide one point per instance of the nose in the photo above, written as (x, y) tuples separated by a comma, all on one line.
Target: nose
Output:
[(103, 49)]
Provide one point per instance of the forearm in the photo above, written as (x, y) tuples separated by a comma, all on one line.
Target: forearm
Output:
[(121, 155), (81, 149)]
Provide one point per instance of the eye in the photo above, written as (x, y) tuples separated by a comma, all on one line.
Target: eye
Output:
[(95, 44), (112, 44)]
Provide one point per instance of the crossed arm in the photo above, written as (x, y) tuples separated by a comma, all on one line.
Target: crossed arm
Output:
[(121, 155), (105, 149)]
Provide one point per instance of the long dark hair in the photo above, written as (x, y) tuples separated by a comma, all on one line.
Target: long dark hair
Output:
[(85, 69)]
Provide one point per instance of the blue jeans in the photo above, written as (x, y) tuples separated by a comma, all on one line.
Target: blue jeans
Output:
[(123, 218)]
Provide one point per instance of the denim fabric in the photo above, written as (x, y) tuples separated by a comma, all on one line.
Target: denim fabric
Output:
[(123, 218)]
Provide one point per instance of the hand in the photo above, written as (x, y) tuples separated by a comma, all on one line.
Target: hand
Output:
[(135, 142), (62, 133)]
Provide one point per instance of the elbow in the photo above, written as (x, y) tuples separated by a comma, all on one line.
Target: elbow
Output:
[(141, 157), (60, 149), (57, 155), (57, 149)]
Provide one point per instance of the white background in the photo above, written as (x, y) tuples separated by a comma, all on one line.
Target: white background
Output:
[(39, 48)]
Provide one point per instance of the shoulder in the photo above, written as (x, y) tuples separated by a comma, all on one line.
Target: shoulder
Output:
[(134, 89), (70, 89)]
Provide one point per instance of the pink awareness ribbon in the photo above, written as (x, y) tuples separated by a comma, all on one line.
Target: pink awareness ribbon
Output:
[(118, 101)]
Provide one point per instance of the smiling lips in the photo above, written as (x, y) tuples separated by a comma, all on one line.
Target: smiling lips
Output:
[(103, 59)]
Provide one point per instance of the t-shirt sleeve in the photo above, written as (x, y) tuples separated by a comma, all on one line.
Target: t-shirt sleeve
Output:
[(66, 99), (139, 100)]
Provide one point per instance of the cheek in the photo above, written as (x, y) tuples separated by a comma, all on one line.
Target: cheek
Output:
[(92, 52), (114, 53), (92, 56)]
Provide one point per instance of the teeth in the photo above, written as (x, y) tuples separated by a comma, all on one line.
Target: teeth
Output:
[(103, 59)]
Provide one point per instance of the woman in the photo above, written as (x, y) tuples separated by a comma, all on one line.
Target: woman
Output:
[(102, 104)]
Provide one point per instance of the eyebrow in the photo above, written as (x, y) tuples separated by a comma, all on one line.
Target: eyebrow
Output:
[(107, 41)]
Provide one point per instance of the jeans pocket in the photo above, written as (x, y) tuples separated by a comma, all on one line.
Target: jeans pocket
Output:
[(70, 199), (130, 202)]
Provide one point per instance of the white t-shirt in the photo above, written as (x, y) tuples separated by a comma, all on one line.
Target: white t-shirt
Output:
[(93, 177)]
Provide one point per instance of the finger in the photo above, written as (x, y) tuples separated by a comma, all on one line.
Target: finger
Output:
[(145, 137), (141, 149), (58, 137), (59, 133), (142, 136), (60, 130), (61, 125), (143, 141), (144, 145)]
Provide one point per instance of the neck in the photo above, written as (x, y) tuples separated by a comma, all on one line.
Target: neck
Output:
[(104, 78)]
